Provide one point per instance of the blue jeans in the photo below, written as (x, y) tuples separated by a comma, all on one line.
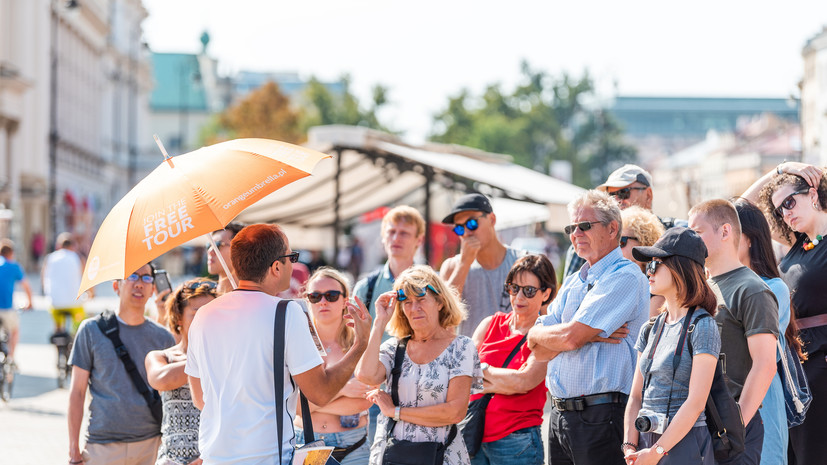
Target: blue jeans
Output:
[(522, 447), (373, 412), (344, 439)]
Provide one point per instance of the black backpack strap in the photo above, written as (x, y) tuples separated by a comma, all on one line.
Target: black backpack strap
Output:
[(373, 278), (278, 368), (307, 421), (108, 324), (695, 324)]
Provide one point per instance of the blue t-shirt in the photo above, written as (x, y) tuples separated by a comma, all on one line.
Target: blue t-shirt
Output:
[(10, 273)]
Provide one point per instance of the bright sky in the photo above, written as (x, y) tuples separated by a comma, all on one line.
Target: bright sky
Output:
[(427, 50)]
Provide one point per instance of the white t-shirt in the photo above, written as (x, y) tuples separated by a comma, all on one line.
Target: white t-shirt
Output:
[(62, 278), (231, 351)]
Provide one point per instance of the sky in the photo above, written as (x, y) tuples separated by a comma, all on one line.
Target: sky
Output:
[(427, 51)]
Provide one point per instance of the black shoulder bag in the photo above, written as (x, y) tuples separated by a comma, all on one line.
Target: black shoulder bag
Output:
[(108, 324), (371, 285), (278, 379), (473, 426), (409, 452)]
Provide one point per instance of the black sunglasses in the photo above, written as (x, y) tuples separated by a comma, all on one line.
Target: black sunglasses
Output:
[(625, 240), (528, 291), (652, 267), (200, 284), (330, 296), (788, 203), (583, 226), (472, 225), (418, 292), (626, 192), (294, 257)]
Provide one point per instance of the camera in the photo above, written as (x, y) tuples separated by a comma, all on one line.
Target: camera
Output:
[(648, 421)]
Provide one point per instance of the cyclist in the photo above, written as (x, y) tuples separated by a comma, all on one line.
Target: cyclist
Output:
[(10, 273), (61, 275)]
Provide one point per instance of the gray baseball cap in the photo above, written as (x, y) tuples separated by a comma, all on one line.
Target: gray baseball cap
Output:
[(625, 175)]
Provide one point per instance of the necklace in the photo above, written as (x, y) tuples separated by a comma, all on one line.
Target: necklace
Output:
[(810, 245)]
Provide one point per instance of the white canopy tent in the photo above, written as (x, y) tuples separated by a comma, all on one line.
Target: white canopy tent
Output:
[(371, 169)]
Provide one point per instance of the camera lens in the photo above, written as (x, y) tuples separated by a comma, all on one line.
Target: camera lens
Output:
[(643, 424)]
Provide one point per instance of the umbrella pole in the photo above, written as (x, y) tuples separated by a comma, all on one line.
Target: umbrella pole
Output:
[(221, 260)]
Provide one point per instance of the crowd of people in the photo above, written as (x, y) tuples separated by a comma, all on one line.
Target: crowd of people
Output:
[(624, 350)]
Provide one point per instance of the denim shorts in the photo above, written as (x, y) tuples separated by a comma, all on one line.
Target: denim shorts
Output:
[(344, 439), (522, 447)]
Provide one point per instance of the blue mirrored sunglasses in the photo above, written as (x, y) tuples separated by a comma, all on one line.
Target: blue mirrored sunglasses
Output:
[(472, 225), (147, 278), (418, 292)]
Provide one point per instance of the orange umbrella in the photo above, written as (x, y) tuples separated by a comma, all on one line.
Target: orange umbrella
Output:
[(188, 196)]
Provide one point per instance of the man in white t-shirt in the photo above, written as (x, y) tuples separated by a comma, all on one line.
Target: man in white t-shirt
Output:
[(61, 275), (230, 356)]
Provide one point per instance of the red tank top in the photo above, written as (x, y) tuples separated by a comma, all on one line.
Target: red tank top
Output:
[(508, 413)]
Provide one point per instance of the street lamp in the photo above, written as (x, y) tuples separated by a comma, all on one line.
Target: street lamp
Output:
[(53, 134)]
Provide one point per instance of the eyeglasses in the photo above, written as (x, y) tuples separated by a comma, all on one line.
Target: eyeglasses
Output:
[(528, 291), (147, 278), (626, 192), (625, 240), (788, 203), (194, 286), (294, 257), (418, 292), (472, 225), (583, 226), (330, 296), (652, 267)]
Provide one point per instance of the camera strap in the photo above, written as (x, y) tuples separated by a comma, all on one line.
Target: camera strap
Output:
[(676, 358)]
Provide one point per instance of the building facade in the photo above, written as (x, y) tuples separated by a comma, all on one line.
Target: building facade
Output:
[(814, 99)]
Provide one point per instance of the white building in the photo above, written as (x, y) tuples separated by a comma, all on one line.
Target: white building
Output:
[(814, 99)]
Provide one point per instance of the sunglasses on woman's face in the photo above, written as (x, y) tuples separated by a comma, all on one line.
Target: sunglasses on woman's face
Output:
[(528, 291), (583, 226), (625, 240), (471, 225), (417, 292), (330, 296), (626, 192), (652, 267), (788, 203)]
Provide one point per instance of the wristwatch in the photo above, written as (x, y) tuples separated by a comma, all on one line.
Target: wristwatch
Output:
[(484, 366), (396, 413), (659, 449)]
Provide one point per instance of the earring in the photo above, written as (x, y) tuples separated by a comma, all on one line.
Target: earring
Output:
[(815, 206), (178, 328)]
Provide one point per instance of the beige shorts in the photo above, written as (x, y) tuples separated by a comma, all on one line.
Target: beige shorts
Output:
[(10, 319), (122, 453)]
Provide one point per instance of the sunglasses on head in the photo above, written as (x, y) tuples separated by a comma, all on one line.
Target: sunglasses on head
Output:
[(528, 291), (147, 278), (200, 285), (472, 225), (417, 292), (583, 226), (626, 192), (652, 267), (788, 203), (625, 240), (330, 296)]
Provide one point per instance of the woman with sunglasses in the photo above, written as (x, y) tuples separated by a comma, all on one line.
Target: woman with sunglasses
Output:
[(793, 198), (641, 228), (514, 414), (165, 372), (665, 421), (439, 368), (755, 251), (340, 424)]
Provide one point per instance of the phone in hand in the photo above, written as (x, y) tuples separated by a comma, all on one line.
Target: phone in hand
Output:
[(162, 282)]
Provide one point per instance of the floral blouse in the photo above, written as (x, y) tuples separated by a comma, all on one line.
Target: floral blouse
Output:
[(426, 385)]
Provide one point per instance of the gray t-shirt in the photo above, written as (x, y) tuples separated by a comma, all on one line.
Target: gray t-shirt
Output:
[(705, 340), (484, 291), (746, 307), (117, 412)]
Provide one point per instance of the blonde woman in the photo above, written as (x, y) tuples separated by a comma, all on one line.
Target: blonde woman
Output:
[(341, 423), (438, 371), (641, 228)]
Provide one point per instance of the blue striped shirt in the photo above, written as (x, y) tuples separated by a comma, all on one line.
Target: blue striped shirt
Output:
[(603, 296)]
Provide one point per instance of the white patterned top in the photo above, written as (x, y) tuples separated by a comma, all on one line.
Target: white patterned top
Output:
[(179, 428), (426, 385)]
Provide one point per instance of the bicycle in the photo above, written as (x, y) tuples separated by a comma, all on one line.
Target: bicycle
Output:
[(63, 340), (7, 368)]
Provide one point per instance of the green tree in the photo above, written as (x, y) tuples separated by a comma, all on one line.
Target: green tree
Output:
[(544, 119), (321, 106)]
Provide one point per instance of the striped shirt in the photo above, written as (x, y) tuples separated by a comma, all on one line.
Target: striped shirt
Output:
[(603, 296)]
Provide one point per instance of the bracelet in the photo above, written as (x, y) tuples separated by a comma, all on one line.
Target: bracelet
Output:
[(778, 168), (633, 446)]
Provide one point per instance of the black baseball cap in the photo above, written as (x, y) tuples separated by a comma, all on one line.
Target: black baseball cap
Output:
[(475, 202), (679, 241)]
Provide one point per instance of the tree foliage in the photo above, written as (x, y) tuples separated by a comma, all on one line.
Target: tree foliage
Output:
[(266, 112), (321, 106), (544, 119)]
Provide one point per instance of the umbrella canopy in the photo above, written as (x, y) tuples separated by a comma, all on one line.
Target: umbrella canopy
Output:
[(188, 196)]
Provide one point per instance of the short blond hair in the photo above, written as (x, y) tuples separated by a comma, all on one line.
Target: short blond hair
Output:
[(419, 277), (405, 214), (645, 225)]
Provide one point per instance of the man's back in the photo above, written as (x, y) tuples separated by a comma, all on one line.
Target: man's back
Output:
[(746, 307), (62, 277), (231, 351), (10, 273)]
